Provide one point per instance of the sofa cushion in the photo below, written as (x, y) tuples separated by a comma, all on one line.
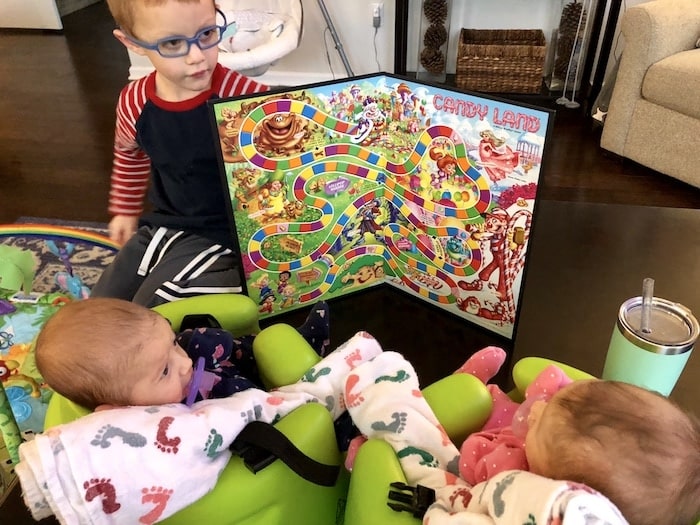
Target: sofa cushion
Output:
[(674, 83)]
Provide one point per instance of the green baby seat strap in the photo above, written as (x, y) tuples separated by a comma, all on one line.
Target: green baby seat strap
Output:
[(259, 444)]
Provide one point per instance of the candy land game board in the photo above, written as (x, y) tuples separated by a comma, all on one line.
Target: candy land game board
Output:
[(380, 180)]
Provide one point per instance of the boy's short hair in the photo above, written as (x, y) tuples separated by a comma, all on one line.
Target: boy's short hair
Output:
[(86, 350), (124, 14), (634, 446)]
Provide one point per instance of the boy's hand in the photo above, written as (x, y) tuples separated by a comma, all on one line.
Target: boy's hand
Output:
[(122, 227)]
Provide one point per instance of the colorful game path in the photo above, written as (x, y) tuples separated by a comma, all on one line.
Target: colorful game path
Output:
[(309, 166)]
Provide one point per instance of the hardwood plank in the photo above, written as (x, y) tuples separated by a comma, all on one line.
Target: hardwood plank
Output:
[(58, 117)]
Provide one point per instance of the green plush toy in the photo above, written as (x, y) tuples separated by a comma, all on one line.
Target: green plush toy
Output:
[(17, 269), (9, 431)]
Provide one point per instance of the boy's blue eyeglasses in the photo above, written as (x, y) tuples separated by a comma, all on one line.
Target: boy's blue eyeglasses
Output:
[(179, 46)]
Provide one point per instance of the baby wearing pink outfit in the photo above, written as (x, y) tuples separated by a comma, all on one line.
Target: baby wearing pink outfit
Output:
[(500, 445)]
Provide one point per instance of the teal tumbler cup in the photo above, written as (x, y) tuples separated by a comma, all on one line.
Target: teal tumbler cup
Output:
[(652, 358)]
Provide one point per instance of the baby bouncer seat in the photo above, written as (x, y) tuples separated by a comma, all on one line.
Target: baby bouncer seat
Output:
[(462, 404), (276, 494), (260, 33)]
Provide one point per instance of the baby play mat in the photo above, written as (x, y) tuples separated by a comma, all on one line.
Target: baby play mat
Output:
[(42, 266)]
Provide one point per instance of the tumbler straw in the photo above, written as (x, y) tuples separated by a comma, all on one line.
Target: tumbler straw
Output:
[(647, 296)]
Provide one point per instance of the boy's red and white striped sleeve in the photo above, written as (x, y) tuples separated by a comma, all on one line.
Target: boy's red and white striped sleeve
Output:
[(234, 84), (131, 167)]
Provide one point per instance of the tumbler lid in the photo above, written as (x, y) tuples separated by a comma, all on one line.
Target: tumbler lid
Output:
[(673, 328)]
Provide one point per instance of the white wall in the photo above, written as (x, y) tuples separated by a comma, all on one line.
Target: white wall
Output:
[(353, 23), (618, 41), (310, 61), (30, 14)]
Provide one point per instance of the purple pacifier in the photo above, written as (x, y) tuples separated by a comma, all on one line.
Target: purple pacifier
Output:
[(195, 382)]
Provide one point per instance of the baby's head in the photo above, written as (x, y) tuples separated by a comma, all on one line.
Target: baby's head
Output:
[(102, 351), (634, 446)]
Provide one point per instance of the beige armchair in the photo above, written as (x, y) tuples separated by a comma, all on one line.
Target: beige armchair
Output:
[(654, 113)]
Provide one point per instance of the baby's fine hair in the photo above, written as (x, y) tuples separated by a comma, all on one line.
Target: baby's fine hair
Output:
[(86, 350), (634, 446), (124, 14)]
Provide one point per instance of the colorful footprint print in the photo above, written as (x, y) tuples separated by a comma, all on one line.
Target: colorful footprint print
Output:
[(426, 458), (163, 442), (352, 399), (395, 426), (353, 358), (102, 488), (499, 505), (311, 375), (399, 377), (160, 497), (107, 433), (214, 441)]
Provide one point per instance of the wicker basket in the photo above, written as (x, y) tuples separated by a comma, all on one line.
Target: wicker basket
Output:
[(501, 60)]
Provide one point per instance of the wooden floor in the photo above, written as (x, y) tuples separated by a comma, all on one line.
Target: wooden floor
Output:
[(57, 116)]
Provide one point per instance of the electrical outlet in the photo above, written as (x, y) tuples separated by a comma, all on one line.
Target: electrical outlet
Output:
[(377, 13)]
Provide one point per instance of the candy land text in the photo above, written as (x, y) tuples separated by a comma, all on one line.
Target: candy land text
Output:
[(501, 117)]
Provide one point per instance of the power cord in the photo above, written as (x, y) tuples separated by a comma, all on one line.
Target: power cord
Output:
[(376, 53), (326, 32), (376, 24)]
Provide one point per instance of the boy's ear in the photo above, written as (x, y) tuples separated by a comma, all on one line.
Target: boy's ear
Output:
[(119, 35)]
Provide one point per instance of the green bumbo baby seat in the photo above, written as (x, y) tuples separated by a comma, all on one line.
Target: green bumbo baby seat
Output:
[(462, 404), (276, 494)]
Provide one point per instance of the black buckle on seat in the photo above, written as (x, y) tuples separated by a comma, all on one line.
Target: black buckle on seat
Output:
[(192, 321), (255, 458), (260, 444), (415, 500)]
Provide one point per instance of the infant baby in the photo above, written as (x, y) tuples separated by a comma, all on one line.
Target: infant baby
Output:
[(103, 352), (634, 446)]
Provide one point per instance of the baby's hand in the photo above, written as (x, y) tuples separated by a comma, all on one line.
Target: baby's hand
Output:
[(122, 227), (99, 408)]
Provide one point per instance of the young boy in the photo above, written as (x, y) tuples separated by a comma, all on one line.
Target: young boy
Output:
[(183, 245), (104, 351)]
